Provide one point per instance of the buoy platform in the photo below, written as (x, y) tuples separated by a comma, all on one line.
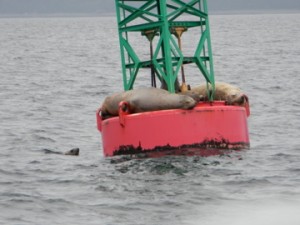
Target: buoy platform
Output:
[(207, 129)]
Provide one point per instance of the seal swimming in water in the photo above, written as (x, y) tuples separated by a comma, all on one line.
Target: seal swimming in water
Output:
[(145, 100), (231, 94), (73, 151)]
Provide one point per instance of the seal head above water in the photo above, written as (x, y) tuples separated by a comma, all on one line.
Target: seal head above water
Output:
[(73, 151)]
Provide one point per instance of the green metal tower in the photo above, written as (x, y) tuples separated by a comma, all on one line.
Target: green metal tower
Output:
[(163, 23)]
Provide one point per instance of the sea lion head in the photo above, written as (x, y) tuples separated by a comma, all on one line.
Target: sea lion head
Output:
[(238, 99), (187, 102), (74, 151)]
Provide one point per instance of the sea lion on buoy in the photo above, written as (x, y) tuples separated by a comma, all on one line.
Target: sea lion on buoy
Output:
[(231, 94), (145, 100)]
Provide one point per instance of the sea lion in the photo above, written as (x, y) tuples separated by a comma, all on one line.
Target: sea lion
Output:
[(145, 100), (193, 95), (73, 151), (231, 94)]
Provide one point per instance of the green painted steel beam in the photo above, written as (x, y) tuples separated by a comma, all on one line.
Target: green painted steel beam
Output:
[(133, 9), (186, 8), (161, 17), (140, 11), (141, 27), (186, 60), (153, 25), (187, 24)]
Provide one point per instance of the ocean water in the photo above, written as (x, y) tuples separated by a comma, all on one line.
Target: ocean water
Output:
[(55, 72)]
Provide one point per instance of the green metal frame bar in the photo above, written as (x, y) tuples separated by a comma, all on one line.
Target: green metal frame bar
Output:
[(188, 8), (165, 33), (132, 9), (211, 66), (162, 16), (140, 11), (186, 60)]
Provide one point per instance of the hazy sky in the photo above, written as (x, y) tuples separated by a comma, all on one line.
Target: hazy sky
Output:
[(102, 6)]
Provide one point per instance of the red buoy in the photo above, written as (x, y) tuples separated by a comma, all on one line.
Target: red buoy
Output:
[(209, 126)]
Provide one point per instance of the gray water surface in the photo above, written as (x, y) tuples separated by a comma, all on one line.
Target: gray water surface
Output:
[(55, 72)]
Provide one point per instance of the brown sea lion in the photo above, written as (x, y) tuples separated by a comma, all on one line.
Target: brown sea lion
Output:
[(231, 94), (145, 100)]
